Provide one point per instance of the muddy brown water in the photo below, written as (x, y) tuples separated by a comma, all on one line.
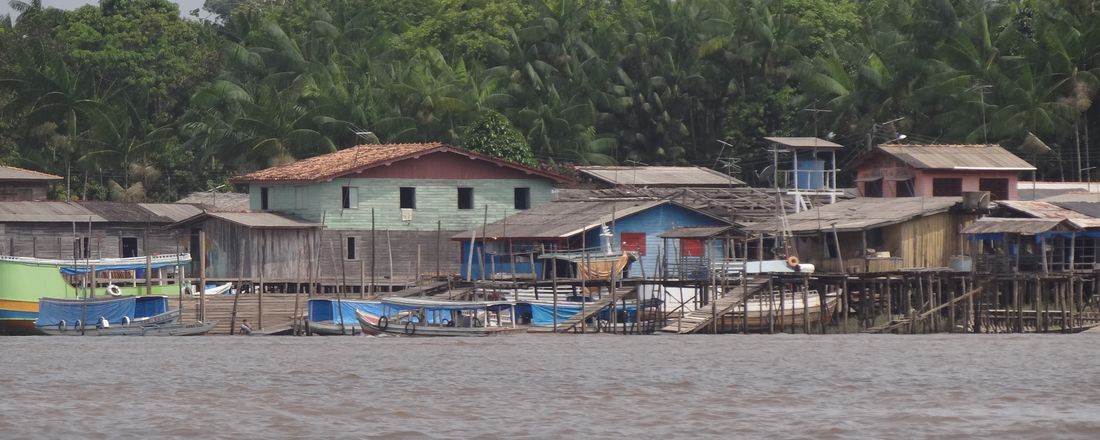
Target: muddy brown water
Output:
[(547, 386)]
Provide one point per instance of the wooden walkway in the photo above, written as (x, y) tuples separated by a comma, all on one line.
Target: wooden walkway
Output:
[(591, 309), (700, 318)]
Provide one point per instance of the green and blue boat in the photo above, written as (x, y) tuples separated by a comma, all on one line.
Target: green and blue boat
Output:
[(23, 281)]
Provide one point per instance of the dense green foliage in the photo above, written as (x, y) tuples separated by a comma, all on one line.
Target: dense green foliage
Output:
[(130, 102), (494, 135)]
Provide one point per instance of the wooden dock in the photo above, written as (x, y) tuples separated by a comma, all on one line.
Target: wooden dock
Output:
[(698, 319)]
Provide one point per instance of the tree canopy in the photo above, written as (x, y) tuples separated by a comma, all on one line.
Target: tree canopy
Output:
[(130, 101)]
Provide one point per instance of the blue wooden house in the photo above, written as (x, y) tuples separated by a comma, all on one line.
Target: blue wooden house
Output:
[(567, 232)]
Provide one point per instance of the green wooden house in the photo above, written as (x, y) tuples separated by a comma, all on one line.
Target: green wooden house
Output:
[(406, 199)]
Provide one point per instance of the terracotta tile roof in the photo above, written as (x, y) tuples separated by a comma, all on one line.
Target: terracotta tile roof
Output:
[(13, 173), (355, 159)]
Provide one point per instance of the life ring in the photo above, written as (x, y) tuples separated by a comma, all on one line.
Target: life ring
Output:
[(113, 290), (410, 328), (102, 323), (125, 321), (78, 325), (383, 323), (187, 290), (792, 262), (61, 326)]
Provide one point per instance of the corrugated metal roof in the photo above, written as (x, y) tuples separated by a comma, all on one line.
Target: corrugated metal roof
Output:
[(218, 201), (804, 142), (704, 232), (172, 211), (561, 219), (355, 159), (659, 176), (124, 212), (1087, 209), (957, 157), (13, 173), (862, 213), (66, 212), (1024, 226), (1038, 209), (262, 220)]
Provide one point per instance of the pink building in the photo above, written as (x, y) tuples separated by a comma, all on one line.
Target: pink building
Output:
[(939, 170)]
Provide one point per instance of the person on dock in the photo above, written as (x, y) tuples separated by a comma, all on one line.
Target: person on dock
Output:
[(245, 328)]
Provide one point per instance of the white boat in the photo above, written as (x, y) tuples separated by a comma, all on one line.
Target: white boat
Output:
[(216, 290)]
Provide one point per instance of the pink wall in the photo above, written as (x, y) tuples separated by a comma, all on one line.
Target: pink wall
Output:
[(891, 170)]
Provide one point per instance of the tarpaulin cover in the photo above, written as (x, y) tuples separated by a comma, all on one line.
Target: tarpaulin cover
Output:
[(542, 314), (53, 311), (149, 306), (76, 270), (321, 310)]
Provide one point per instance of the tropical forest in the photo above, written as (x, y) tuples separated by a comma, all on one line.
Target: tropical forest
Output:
[(136, 100)]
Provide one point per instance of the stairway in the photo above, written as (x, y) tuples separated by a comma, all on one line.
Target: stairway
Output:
[(700, 318)]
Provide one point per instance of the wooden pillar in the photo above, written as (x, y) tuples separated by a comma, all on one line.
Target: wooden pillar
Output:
[(260, 292), (202, 275)]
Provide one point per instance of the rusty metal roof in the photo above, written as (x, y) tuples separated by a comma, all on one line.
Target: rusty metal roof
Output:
[(218, 201), (1079, 217), (985, 157), (268, 220), (861, 214), (66, 212), (561, 219), (13, 173), (356, 159), (1023, 226), (172, 211), (693, 176)]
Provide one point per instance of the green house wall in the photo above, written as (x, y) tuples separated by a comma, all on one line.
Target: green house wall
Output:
[(436, 201)]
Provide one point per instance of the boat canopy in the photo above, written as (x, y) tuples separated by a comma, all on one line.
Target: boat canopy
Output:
[(325, 309), (82, 269), (419, 303), (52, 311)]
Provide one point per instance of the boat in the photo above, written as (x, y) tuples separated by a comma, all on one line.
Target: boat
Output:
[(23, 281), (427, 317), (123, 316), (216, 290), (325, 316), (763, 310)]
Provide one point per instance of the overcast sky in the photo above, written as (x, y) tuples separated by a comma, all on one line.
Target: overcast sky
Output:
[(185, 5)]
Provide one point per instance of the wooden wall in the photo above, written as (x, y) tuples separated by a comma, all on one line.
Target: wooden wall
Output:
[(23, 191), (55, 240), (923, 242)]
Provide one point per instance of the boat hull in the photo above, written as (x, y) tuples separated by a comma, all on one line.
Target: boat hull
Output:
[(174, 329), (370, 324)]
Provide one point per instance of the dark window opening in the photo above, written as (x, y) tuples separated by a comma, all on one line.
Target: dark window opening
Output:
[(263, 199), (349, 197), (872, 188), (998, 188), (129, 247), (875, 239), (351, 254), (904, 188), (465, 198), (408, 197), (830, 246), (523, 198), (947, 187)]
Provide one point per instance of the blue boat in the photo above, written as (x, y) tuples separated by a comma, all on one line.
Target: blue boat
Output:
[(104, 316), (428, 317), (337, 316)]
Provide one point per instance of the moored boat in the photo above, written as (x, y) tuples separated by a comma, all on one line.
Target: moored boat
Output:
[(23, 281), (425, 317), (326, 316), (123, 316)]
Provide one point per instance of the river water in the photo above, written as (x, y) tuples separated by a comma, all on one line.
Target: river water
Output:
[(553, 386)]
